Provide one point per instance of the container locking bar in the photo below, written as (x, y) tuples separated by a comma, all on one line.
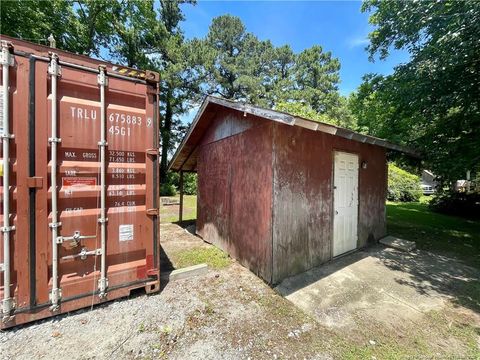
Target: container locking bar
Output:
[(83, 254), (102, 80), (54, 70), (75, 238), (6, 61)]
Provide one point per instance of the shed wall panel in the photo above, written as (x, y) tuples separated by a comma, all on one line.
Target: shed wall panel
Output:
[(235, 194), (303, 198)]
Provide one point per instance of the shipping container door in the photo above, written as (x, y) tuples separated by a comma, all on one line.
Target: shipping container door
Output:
[(13, 174), (129, 134)]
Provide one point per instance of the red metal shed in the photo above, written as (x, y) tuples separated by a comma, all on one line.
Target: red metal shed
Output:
[(282, 194)]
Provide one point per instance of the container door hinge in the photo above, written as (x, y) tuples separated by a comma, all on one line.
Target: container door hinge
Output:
[(152, 212), (35, 182), (152, 152)]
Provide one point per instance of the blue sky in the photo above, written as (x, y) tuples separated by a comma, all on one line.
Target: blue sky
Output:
[(338, 26)]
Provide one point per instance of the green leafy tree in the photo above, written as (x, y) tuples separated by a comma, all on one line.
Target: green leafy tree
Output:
[(402, 185), (137, 33), (239, 66), (433, 101), (316, 78), (176, 61), (235, 62), (35, 20), (94, 22), (343, 116)]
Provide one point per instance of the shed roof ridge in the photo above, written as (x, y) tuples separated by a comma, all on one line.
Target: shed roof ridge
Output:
[(285, 118)]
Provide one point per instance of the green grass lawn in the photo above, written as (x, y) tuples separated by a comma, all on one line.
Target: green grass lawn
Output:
[(435, 232), (212, 256), (169, 213)]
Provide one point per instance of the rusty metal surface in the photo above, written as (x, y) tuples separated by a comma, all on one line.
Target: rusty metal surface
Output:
[(132, 184), (235, 190), (27, 48), (303, 201)]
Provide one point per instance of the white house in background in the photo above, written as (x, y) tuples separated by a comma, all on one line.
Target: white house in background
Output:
[(428, 182)]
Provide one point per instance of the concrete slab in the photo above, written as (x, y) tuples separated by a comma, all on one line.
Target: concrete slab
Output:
[(183, 273), (397, 243), (380, 283)]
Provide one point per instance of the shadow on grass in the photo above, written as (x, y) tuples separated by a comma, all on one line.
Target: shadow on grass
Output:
[(438, 233)]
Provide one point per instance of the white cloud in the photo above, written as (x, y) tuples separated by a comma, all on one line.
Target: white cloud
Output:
[(358, 41)]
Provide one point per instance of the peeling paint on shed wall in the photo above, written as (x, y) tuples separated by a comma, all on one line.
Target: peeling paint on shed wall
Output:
[(235, 192), (303, 199)]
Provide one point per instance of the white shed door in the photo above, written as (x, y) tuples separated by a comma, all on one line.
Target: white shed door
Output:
[(345, 200)]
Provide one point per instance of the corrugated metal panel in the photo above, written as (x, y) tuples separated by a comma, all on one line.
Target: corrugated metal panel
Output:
[(132, 227)]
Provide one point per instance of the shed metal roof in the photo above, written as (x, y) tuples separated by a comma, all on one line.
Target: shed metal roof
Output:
[(185, 157)]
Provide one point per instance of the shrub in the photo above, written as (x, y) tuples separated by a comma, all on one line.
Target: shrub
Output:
[(459, 204), (167, 190), (173, 179), (402, 185), (190, 183)]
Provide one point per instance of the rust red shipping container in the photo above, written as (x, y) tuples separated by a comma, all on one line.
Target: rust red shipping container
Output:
[(80, 182)]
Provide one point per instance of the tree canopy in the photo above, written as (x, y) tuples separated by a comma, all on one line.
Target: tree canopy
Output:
[(237, 65), (432, 101)]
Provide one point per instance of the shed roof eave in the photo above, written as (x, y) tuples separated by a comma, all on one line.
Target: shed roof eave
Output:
[(172, 163), (177, 165)]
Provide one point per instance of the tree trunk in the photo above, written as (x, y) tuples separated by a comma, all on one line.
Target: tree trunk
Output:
[(166, 132)]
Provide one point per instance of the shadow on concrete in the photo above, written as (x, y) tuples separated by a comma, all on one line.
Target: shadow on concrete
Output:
[(427, 273), (189, 225), (433, 272), (298, 282)]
